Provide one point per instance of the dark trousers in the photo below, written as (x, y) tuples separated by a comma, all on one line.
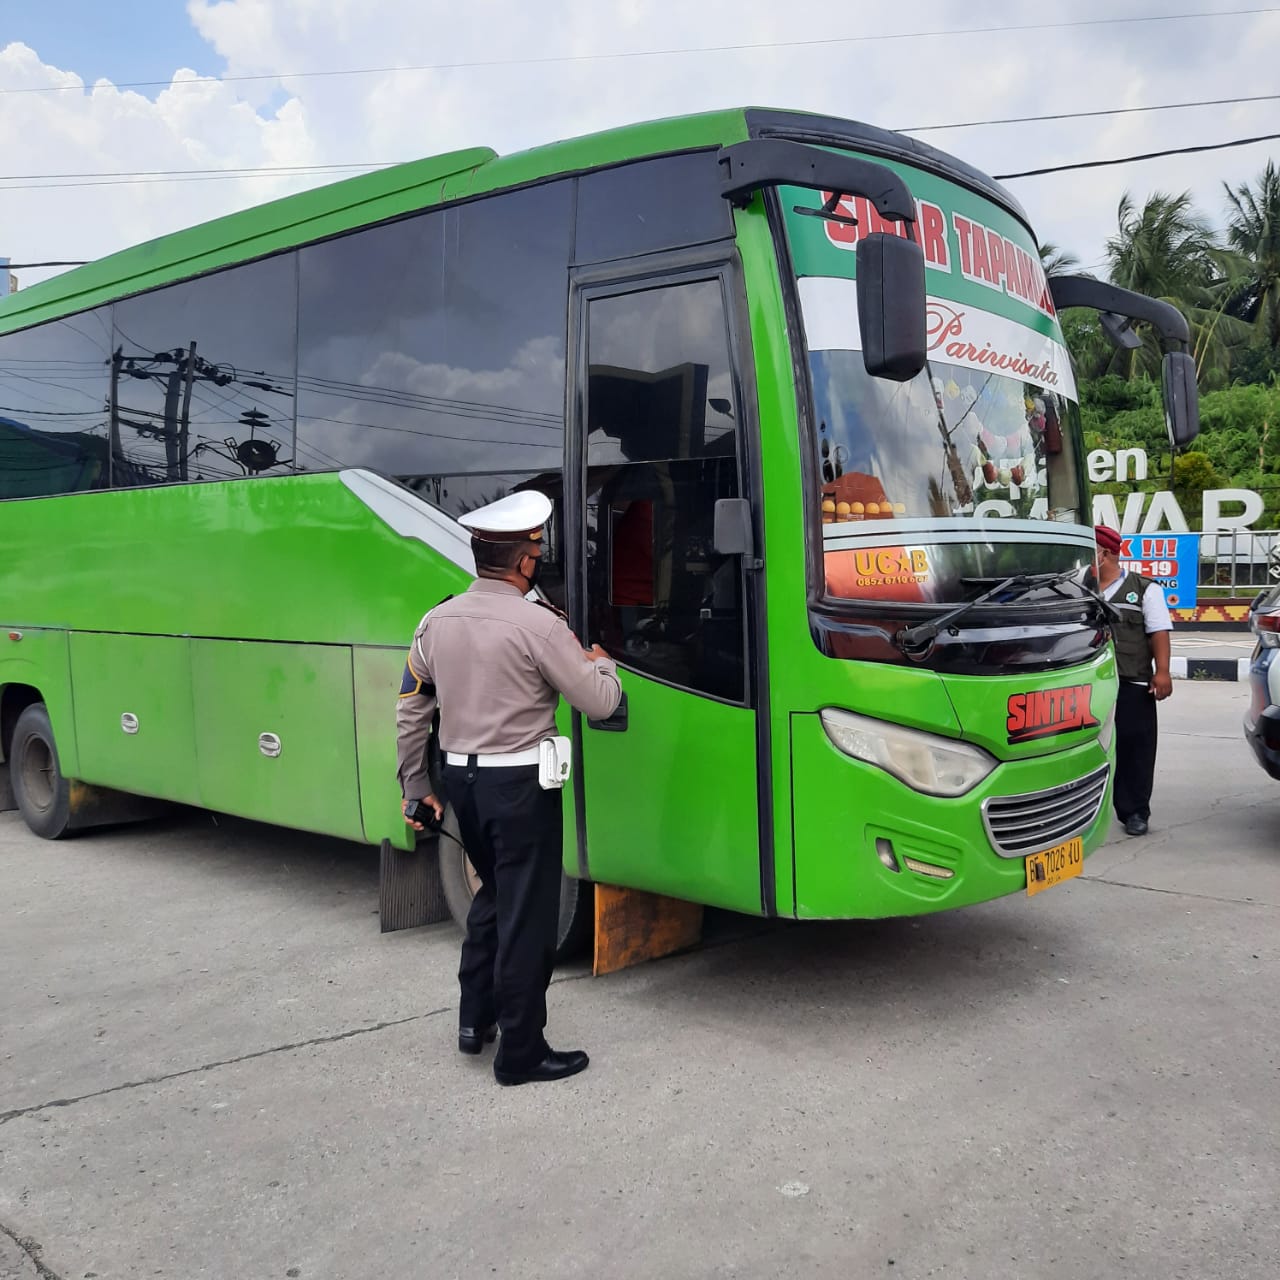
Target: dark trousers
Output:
[(512, 830), (1135, 750)]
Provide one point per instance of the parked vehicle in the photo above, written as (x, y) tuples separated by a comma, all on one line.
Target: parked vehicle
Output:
[(1262, 719)]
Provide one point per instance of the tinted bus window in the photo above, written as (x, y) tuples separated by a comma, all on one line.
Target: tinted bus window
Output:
[(204, 377), (53, 407), (651, 205), (662, 449), (432, 349)]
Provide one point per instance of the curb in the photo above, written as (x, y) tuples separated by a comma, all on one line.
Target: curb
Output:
[(1209, 668)]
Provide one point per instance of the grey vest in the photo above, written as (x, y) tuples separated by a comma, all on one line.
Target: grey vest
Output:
[(1133, 645)]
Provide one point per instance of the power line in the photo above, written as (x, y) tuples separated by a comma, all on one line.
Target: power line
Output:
[(662, 53), (1148, 155), (231, 173), (128, 177), (1070, 115), (182, 175), (999, 177)]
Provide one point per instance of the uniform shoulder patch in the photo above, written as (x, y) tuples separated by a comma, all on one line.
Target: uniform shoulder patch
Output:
[(412, 687)]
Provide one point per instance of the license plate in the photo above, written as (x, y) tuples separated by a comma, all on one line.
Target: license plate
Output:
[(1053, 866)]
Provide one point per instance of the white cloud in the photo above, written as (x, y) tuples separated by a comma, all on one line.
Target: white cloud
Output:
[(301, 119)]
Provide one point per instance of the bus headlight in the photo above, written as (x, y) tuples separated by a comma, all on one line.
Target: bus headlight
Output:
[(937, 766)]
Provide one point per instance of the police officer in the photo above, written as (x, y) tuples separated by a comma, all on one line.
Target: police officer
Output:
[(1142, 655), (497, 664)]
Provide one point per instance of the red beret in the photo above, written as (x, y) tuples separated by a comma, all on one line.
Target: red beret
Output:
[(1108, 539)]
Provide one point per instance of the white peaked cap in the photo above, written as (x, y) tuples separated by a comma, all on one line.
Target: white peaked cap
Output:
[(516, 513)]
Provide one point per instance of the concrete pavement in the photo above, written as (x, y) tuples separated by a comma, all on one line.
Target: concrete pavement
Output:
[(213, 1065)]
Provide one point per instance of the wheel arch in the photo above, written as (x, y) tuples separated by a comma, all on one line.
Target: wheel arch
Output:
[(36, 667), (15, 698)]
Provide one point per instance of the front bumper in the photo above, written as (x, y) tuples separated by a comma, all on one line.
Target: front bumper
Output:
[(844, 811)]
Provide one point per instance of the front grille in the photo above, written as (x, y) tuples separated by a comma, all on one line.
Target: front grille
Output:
[(1023, 824)]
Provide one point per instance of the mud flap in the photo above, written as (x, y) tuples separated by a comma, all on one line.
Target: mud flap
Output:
[(409, 889), (7, 802), (93, 806), (633, 926)]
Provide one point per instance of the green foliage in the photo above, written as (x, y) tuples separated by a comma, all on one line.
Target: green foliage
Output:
[(1193, 473), (1225, 281), (1256, 364), (1110, 394), (1238, 446), (1253, 231)]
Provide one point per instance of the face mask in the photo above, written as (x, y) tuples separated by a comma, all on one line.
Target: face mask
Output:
[(532, 578)]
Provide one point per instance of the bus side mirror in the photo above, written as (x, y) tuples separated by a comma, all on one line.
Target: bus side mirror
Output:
[(891, 306), (1181, 399)]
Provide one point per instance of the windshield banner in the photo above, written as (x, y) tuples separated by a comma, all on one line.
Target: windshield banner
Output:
[(967, 336)]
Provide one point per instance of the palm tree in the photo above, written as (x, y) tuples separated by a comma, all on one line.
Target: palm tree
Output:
[(1168, 250), (1253, 230), (1163, 249), (1057, 261)]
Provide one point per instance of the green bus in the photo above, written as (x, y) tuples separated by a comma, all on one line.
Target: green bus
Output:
[(797, 388)]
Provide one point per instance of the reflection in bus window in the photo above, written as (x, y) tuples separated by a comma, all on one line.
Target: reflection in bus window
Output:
[(661, 450), (53, 407), (202, 377)]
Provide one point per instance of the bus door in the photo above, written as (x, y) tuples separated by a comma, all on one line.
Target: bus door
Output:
[(667, 797)]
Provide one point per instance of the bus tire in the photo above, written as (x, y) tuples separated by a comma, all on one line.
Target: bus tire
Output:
[(459, 881), (43, 795)]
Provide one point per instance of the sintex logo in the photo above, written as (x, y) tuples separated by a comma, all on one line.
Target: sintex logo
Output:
[(1049, 712)]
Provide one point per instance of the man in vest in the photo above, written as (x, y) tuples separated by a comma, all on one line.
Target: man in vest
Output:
[(1141, 637)]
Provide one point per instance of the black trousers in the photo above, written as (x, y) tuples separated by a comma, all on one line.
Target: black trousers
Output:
[(513, 833), (1135, 750)]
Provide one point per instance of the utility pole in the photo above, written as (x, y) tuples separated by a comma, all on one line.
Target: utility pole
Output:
[(172, 385), (113, 409), (184, 426), (177, 422)]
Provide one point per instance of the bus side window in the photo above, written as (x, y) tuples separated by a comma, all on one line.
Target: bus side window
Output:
[(202, 377), (431, 349), (54, 434)]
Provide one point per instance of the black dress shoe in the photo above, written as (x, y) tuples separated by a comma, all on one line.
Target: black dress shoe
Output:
[(555, 1066), (1135, 826), (474, 1039)]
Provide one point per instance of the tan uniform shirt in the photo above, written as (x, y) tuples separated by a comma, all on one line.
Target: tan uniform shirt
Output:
[(497, 665)]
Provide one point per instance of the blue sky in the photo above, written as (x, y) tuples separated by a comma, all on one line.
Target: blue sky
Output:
[(133, 40)]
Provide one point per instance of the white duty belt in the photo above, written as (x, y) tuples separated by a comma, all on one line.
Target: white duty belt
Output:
[(497, 759)]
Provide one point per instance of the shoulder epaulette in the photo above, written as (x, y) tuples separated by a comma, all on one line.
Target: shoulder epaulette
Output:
[(546, 604)]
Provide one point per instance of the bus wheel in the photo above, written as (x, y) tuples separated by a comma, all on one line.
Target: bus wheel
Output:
[(459, 880), (43, 795)]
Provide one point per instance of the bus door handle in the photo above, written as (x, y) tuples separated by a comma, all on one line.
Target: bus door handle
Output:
[(616, 723)]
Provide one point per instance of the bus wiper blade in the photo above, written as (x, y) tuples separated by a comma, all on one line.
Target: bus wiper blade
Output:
[(919, 636), (1109, 612)]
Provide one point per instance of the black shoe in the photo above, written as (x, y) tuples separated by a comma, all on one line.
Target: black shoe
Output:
[(555, 1066), (1135, 825), (474, 1039)]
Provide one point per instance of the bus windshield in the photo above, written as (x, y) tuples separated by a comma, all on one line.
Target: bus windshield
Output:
[(924, 491)]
